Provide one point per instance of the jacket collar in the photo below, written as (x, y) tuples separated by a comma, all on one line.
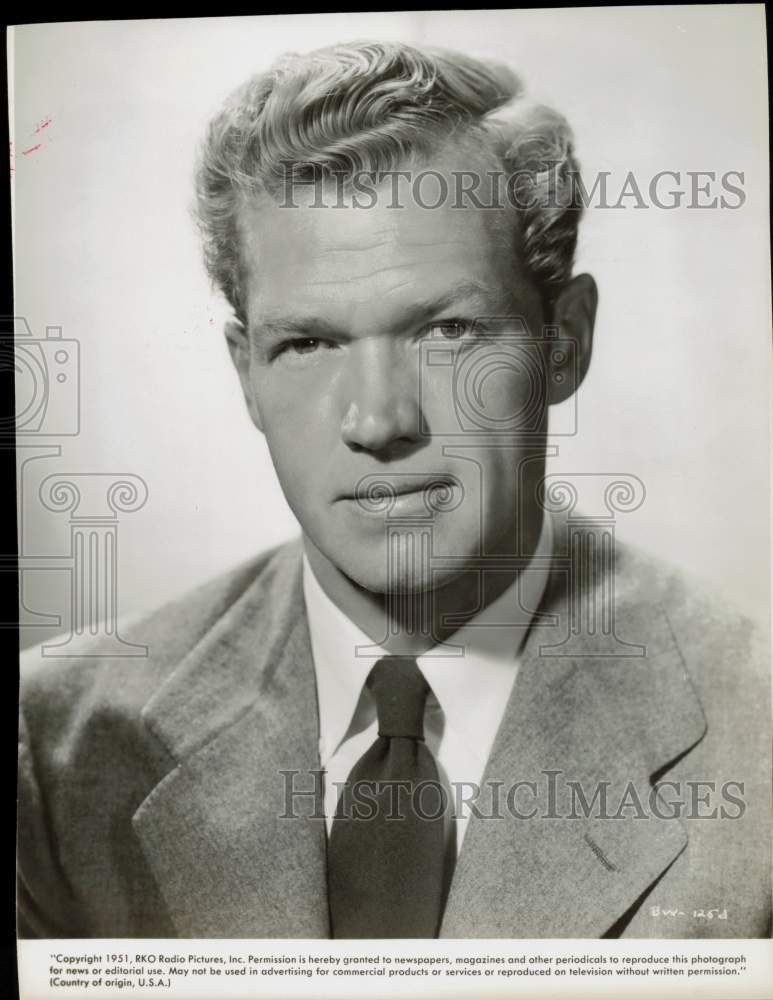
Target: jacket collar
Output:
[(239, 714), (578, 720), (241, 709)]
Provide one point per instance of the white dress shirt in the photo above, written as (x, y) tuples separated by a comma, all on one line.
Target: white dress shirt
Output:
[(470, 680)]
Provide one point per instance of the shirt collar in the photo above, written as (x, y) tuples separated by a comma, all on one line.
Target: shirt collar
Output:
[(343, 656), (471, 675)]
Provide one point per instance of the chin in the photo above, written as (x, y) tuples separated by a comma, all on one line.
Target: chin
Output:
[(377, 580), (405, 574), (401, 563)]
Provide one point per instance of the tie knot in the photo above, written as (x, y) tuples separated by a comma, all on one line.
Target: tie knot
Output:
[(400, 693)]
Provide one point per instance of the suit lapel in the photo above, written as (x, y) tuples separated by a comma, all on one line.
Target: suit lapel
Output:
[(241, 709), (237, 712), (598, 723)]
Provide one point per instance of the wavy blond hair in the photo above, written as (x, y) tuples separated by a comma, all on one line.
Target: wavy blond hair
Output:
[(370, 106)]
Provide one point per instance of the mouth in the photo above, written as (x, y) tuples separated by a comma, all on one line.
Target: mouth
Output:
[(397, 485), (381, 493)]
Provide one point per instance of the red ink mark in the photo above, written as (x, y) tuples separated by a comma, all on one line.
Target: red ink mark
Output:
[(44, 124), (32, 149)]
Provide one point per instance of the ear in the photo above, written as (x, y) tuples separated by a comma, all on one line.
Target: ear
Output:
[(239, 349), (574, 313)]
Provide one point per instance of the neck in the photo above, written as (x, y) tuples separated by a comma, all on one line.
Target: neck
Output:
[(411, 622)]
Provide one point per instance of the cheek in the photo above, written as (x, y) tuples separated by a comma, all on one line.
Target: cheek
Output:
[(505, 388), (283, 405), (296, 399), (486, 400), (300, 469), (298, 430), (487, 394)]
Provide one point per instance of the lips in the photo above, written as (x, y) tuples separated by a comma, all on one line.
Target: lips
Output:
[(420, 485), (405, 494), (397, 484)]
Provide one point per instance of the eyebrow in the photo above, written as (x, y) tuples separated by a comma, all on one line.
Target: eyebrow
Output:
[(466, 291)]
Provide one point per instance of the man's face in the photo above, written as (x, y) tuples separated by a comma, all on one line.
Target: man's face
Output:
[(358, 320)]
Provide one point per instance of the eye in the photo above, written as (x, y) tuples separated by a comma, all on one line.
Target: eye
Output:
[(450, 329), (298, 347), (306, 345)]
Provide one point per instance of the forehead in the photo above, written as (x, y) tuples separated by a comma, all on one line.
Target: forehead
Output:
[(385, 255)]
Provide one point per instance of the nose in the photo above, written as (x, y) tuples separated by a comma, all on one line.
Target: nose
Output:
[(380, 405)]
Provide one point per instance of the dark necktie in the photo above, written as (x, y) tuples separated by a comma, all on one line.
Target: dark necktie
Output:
[(385, 874)]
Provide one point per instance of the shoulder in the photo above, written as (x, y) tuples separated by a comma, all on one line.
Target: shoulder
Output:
[(57, 692), (673, 618), (725, 654), (724, 649), (648, 593), (726, 776)]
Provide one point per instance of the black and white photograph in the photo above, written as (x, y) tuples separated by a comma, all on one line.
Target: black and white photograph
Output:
[(392, 429)]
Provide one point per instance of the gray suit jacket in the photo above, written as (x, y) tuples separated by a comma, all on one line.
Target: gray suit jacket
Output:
[(151, 798)]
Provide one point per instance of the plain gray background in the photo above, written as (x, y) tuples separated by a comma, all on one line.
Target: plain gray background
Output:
[(678, 392)]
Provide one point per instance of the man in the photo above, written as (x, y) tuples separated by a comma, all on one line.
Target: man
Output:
[(395, 232)]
